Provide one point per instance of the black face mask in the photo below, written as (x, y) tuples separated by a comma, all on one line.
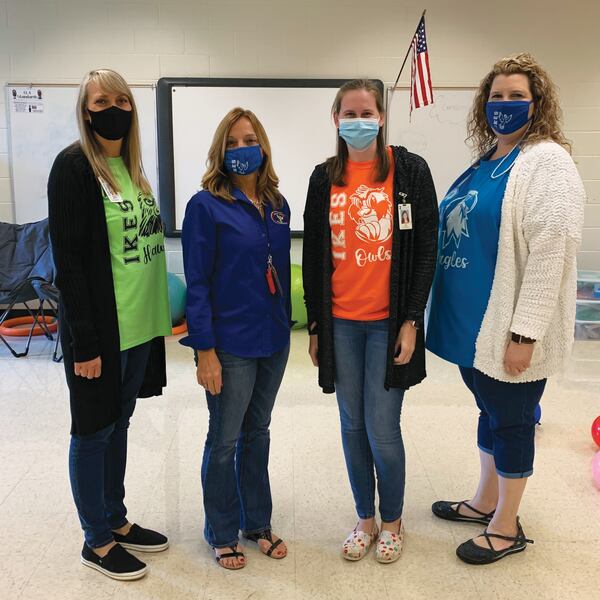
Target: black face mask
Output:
[(111, 123)]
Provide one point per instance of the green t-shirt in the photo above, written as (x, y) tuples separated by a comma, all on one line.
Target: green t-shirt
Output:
[(137, 251)]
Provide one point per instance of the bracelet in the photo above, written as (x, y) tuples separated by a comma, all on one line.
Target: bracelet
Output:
[(521, 339)]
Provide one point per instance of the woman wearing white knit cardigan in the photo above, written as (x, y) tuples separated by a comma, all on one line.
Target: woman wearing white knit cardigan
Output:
[(503, 298)]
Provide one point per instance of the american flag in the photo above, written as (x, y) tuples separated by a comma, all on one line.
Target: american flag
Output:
[(421, 92)]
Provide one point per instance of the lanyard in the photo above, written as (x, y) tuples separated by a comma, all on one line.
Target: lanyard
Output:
[(273, 282)]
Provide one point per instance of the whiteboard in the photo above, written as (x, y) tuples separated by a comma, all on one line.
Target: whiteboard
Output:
[(436, 132), (297, 121), (36, 138)]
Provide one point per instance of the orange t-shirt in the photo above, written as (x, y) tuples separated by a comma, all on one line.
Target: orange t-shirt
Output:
[(361, 216)]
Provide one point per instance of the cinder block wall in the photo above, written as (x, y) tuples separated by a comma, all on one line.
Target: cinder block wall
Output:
[(58, 40)]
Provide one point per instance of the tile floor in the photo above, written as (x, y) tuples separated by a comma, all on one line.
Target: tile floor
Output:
[(313, 505)]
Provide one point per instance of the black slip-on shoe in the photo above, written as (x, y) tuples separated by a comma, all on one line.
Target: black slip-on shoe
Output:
[(446, 510), (117, 564), (473, 554), (142, 540)]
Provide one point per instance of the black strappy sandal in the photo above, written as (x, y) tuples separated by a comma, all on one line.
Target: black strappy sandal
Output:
[(445, 510), (473, 554), (233, 554), (267, 534)]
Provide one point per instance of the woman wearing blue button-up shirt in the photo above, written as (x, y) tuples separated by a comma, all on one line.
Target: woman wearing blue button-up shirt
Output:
[(236, 251)]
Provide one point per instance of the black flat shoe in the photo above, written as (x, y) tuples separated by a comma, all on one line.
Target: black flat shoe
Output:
[(473, 554), (142, 540), (445, 510), (117, 564)]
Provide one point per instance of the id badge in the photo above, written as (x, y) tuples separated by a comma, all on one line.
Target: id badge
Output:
[(405, 216), (112, 196)]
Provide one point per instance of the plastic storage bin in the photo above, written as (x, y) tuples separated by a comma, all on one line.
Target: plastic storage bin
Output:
[(587, 323), (588, 285)]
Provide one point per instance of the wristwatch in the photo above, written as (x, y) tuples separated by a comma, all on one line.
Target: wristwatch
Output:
[(521, 339), (415, 324)]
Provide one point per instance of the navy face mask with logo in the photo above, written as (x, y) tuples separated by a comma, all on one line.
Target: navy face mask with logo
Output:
[(507, 117), (243, 160)]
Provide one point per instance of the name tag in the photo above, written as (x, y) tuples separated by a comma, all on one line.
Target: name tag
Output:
[(405, 216), (112, 196)]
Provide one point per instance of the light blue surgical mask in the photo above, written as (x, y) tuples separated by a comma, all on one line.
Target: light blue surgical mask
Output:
[(507, 116), (243, 160), (358, 133)]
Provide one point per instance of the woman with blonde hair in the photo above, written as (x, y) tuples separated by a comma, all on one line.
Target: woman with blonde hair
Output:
[(503, 298), (114, 311), (236, 251)]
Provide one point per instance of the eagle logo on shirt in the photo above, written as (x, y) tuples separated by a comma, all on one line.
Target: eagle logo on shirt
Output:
[(456, 218), (151, 222), (371, 210)]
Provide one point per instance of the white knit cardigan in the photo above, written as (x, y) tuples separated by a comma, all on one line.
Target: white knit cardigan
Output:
[(535, 281)]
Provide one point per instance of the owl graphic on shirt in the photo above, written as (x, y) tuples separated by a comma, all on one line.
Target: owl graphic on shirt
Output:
[(371, 210)]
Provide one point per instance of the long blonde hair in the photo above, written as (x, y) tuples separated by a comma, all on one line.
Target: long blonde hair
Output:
[(110, 81), (547, 114), (336, 165), (218, 182)]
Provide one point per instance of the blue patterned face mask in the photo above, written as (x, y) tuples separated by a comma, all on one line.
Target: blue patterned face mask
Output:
[(507, 117), (243, 160), (359, 133)]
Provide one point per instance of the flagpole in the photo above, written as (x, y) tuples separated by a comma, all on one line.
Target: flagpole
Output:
[(408, 51)]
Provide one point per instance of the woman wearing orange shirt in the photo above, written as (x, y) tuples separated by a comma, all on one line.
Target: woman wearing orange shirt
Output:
[(369, 255)]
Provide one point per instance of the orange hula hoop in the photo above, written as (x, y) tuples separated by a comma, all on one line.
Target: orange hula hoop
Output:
[(179, 329), (10, 327)]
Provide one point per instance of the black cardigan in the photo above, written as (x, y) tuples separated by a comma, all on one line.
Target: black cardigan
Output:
[(414, 253), (88, 310)]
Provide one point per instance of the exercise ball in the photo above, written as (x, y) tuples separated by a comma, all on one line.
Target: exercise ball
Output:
[(596, 431), (538, 414), (177, 291), (596, 469), (297, 294)]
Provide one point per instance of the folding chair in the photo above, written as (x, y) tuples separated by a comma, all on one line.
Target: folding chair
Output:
[(26, 265)]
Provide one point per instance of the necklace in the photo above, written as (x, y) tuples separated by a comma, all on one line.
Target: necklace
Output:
[(510, 166), (258, 204)]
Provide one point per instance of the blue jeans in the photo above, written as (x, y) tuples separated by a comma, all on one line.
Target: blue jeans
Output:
[(506, 427), (97, 461), (370, 417), (235, 477)]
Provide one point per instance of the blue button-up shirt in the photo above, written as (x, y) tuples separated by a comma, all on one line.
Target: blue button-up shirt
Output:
[(226, 246)]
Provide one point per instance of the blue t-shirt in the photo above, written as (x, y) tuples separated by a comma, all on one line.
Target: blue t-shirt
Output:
[(468, 248)]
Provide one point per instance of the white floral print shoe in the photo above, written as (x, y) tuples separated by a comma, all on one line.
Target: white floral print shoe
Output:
[(357, 544), (389, 545)]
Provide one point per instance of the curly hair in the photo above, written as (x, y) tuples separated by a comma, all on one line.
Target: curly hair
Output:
[(547, 116)]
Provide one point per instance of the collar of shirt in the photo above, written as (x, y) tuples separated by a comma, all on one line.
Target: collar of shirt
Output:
[(239, 195)]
